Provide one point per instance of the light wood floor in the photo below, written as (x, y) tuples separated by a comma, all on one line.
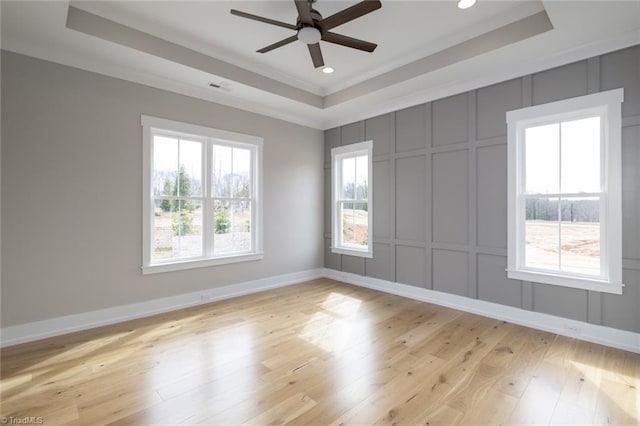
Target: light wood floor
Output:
[(319, 353)]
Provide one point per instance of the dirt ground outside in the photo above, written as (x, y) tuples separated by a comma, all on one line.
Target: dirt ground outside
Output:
[(355, 226), (579, 245)]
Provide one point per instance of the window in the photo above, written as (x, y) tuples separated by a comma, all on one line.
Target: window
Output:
[(352, 215), (202, 196), (565, 193)]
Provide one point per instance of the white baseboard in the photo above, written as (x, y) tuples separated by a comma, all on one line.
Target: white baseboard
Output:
[(620, 339), (28, 332)]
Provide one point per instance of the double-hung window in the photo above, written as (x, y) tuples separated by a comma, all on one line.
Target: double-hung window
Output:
[(352, 212), (202, 196), (565, 193)]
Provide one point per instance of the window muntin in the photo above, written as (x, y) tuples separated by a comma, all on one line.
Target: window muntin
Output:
[(564, 193), (202, 205), (351, 199)]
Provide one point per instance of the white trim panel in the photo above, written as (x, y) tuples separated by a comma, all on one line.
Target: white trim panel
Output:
[(607, 106), (621, 339), (199, 131), (207, 136), (200, 263), (567, 281), (37, 330), (337, 155), (568, 107), (361, 253)]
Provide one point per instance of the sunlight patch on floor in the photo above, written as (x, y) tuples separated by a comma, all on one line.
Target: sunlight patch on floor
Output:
[(333, 328), (604, 380)]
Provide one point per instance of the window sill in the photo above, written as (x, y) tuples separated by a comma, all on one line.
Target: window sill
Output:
[(352, 252), (199, 263), (565, 281)]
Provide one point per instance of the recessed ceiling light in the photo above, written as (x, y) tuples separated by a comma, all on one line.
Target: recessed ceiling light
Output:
[(465, 4), (327, 70)]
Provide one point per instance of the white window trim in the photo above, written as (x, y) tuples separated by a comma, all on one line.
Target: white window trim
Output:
[(607, 104), (149, 124), (337, 154)]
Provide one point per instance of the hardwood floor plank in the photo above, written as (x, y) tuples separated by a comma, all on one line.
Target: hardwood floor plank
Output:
[(494, 408), (461, 381), (284, 412), (616, 404), (318, 353), (443, 416), (517, 370), (538, 402)]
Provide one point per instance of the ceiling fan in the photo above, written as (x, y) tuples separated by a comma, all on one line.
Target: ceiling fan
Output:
[(311, 27)]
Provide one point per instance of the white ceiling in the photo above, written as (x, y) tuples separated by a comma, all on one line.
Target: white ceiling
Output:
[(426, 49)]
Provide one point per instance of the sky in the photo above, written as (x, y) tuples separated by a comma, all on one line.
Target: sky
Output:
[(563, 157), (355, 170)]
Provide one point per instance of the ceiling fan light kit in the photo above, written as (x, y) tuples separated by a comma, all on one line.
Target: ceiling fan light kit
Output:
[(309, 35), (311, 28), (466, 4)]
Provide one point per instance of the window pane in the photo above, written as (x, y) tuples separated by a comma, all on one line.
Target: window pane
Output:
[(580, 235), (581, 155), (188, 226), (241, 225), (189, 181), (232, 221), (348, 178), (163, 232), (355, 224), (362, 177), (177, 229), (541, 234), (221, 171), (165, 165), (241, 173), (542, 158)]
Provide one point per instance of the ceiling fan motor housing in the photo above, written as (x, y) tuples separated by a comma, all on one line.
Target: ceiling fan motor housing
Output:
[(315, 16)]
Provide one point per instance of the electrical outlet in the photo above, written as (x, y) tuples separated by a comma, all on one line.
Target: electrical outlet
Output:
[(573, 329), (204, 297)]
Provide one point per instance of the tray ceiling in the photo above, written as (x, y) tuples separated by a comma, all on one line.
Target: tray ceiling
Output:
[(426, 49)]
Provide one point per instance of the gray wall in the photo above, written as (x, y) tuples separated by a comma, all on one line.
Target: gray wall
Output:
[(72, 192), (440, 192)]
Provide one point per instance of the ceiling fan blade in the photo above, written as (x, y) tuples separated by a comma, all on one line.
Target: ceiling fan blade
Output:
[(304, 11), (278, 44), (316, 55), (348, 41), (351, 13), (262, 19)]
